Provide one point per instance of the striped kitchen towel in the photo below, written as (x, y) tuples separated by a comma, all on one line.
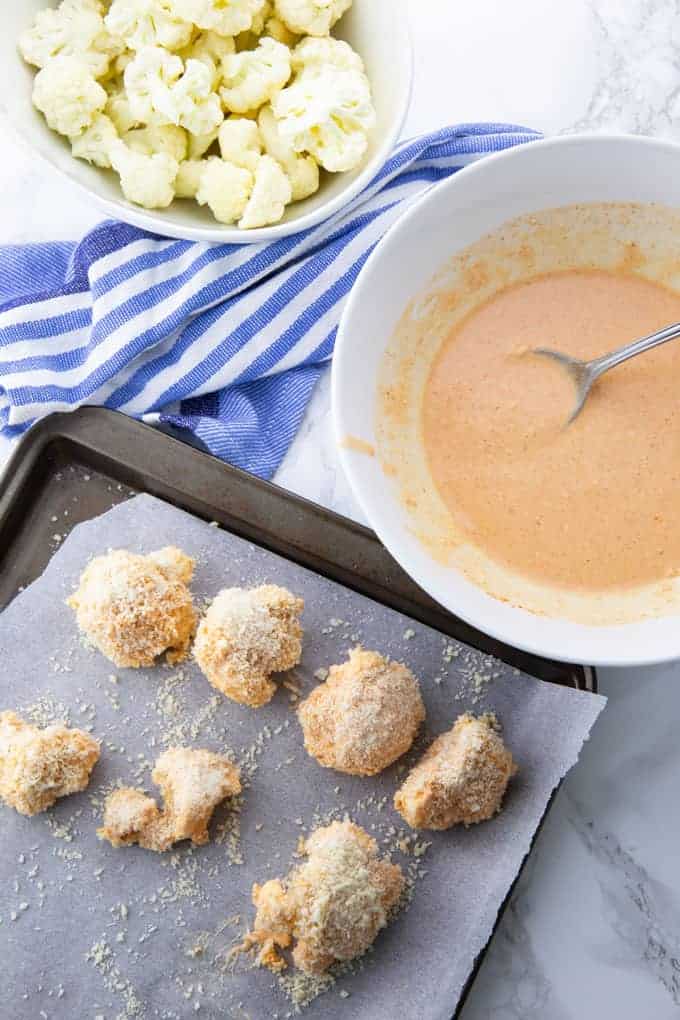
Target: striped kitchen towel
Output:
[(226, 341)]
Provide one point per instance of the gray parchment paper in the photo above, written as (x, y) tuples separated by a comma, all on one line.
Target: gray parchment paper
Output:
[(91, 932)]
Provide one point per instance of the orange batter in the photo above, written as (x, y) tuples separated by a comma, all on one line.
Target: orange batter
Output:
[(592, 506)]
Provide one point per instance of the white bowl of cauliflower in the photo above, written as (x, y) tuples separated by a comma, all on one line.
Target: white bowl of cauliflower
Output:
[(212, 120)]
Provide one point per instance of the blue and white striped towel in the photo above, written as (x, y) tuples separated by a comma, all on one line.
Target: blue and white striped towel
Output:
[(226, 341)]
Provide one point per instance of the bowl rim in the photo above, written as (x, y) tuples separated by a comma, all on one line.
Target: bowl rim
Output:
[(581, 644), (155, 223)]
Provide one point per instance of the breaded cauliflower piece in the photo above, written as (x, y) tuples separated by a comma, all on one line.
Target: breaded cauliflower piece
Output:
[(143, 23), (333, 905), (328, 112), (129, 815), (365, 715), (226, 17), (158, 138), (96, 142), (246, 635), (134, 608), (68, 95), (148, 79), (271, 194), (188, 179), (38, 766), (240, 142), (225, 189), (73, 29), (302, 171), (311, 17), (461, 778), (192, 784), (253, 77)]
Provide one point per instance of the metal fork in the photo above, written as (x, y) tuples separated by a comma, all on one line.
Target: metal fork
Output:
[(585, 373)]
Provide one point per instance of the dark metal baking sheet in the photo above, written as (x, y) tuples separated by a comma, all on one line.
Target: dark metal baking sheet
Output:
[(43, 495)]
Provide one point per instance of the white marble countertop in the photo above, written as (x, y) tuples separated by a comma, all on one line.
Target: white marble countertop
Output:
[(593, 930)]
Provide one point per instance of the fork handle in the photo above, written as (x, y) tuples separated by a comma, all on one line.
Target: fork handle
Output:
[(645, 343)]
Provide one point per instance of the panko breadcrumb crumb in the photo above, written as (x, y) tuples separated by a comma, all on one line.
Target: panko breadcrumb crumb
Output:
[(38, 766), (245, 637), (333, 905), (365, 715), (461, 778), (192, 784), (134, 608)]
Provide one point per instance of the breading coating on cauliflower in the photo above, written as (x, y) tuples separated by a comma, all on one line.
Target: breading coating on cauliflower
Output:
[(249, 634), (461, 778), (143, 23), (311, 17), (96, 142), (271, 194), (188, 179), (328, 112), (226, 17), (73, 29), (158, 138), (253, 77), (39, 766), (69, 96), (192, 784), (332, 905), (134, 608), (225, 189), (302, 171), (240, 142)]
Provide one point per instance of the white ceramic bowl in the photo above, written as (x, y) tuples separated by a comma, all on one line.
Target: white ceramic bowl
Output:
[(371, 27), (453, 215)]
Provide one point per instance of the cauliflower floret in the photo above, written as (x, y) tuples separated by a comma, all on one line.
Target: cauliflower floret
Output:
[(199, 144), (325, 52), (240, 142), (158, 138), (74, 29), (188, 179), (328, 112), (192, 101), (148, 23), (148, 181), (94, 145), (211, 49), (118, 109), (253, 77), (148, 79), (161, 87), (226, 17), (311, 17), (225, 188), (278, 30), (271, 194), (302, 171), (69, 96)]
